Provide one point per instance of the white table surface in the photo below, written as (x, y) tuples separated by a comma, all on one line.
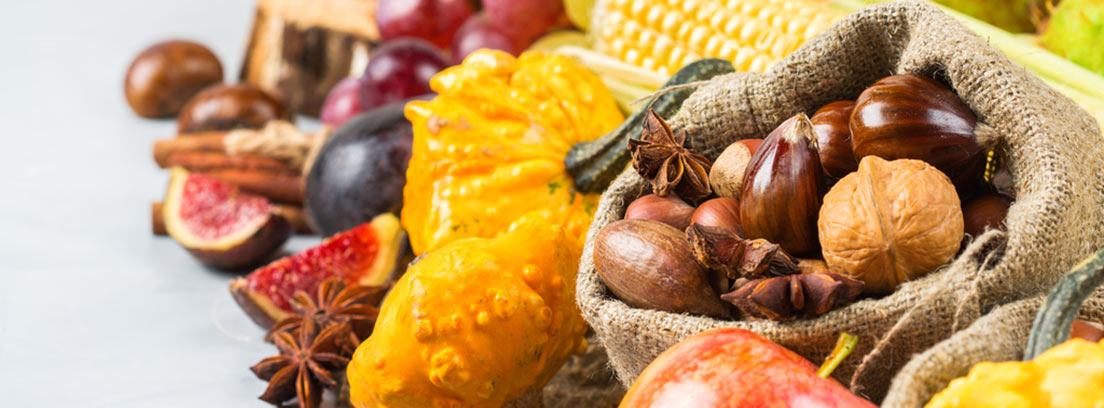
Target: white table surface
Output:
[(95, 311)]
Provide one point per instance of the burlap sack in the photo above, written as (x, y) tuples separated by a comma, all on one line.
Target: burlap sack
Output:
[(1053, 149), (1000, 335)]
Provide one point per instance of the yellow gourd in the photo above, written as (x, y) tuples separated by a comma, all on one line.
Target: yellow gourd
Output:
[(490, 146), (475, 323), (1069, 375)]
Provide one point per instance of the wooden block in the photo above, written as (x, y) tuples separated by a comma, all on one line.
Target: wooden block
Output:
[(298, 49)]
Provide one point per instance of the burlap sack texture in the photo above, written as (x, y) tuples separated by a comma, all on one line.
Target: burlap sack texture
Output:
[(1000, 335), (1053, 150)]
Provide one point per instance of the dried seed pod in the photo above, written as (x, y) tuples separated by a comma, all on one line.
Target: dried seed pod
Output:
[(660, 157), (783, 187), (722, 250), (784, 297)]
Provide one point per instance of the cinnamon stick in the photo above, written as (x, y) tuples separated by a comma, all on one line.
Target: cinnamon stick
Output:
[(158, 220), (298, 219), (203, 161), (281, 188), (203, 142)]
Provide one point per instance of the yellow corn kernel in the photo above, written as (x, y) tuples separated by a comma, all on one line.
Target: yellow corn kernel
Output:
[(665, 35)]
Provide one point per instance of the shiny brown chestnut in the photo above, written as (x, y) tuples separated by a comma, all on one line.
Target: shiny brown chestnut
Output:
[(226, 107), (830, 123), (669, 210), (985, 212), (916, 117), (783, 188), (720, 212), (163, 77)]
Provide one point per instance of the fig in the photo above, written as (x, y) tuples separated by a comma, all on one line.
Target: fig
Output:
[(916, 117), (367, 255), (360, 171), (649, 264), (783, 187), (228, 107), (220, 225)]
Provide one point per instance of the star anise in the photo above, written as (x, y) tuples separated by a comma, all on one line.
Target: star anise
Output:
[(660, 157), (723, 250), (783, 297), (306, 363), (335, 303)]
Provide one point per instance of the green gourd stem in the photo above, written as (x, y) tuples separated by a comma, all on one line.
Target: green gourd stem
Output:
[(596, 163), (1052, 324), (844, 346)]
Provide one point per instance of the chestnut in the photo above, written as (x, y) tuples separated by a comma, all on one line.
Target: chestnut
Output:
[(783, 188), (985, 212), (719, 212), (226, 107), (752, 144), (166, 75), (830, 123), (669, 210), (916, 117)]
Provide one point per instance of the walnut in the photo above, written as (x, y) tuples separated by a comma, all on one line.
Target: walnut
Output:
[(889, 222)]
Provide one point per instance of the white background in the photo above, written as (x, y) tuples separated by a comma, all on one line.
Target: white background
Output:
[(94, 310)]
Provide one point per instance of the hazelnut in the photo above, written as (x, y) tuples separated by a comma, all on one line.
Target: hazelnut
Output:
[(889, 222), (727, 174), (226, 107), (166, 75)]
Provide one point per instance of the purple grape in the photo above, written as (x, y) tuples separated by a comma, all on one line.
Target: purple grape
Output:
[(398, 70)]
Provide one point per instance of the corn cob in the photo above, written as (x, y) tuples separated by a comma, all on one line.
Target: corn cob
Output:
[(665, 35)]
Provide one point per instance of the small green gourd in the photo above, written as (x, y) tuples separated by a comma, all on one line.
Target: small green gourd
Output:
[(1052, 324)]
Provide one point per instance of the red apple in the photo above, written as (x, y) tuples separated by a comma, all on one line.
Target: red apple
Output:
[(735, 368)]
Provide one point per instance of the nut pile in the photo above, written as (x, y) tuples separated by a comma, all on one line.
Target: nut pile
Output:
[(853, 201)]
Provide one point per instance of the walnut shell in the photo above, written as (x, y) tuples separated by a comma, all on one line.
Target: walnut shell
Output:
[(889, 222)]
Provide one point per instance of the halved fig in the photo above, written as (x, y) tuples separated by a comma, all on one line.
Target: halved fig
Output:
[(220, 225), (367, 255)]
